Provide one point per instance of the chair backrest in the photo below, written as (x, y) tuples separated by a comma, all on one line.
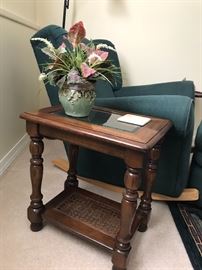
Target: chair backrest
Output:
[(55, 35)]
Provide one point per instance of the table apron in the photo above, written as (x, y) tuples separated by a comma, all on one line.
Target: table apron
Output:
[(105, 147)]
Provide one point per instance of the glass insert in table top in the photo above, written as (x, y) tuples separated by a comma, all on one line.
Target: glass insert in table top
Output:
[(104, 118)]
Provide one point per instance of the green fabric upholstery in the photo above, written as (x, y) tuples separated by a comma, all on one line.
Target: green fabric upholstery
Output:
[(195, 179), (182, 88), (104, 89), (198, 157), (198, 140), (172, 100), (163, 106)]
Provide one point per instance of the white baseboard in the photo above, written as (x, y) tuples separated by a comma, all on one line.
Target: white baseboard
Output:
[(6, 161)]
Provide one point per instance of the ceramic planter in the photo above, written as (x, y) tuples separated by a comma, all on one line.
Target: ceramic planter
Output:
[(77, 99)]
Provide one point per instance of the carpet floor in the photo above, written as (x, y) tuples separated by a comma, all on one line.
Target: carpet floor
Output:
[(160, 248), (188, 220)]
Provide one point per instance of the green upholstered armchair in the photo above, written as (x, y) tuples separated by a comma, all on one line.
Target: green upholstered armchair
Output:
[(172, 100)]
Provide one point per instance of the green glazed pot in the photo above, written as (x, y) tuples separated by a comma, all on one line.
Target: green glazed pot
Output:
[(77, 99)]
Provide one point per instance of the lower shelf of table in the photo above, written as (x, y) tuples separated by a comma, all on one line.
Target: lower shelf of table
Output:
[(86, 214)]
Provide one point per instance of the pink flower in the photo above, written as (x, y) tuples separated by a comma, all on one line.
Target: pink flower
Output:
[(86, 70), (86, 48), (97, 56), (103, 55), (62, 48), (76, 33)]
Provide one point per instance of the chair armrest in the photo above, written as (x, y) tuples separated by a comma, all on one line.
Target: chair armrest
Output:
[(182, 88), (198, 139), (198, 94), (178, 109)]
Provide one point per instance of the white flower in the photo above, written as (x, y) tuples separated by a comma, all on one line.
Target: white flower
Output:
[(61, 49), (101, 45), (42, 76), (49, 49), (48, 43)]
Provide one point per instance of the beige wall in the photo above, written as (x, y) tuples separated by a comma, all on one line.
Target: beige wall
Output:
[(25, 9), (49, 12), (157, 40), (18, 71)]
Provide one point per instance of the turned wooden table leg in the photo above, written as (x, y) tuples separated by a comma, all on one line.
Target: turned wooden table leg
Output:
[(144, 209), (36, 171), (72, 181), (128, 208)]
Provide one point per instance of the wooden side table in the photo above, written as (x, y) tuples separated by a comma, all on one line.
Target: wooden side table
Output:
[(84, 213)]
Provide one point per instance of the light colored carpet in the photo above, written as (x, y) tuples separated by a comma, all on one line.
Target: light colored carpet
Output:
[(51, 249)]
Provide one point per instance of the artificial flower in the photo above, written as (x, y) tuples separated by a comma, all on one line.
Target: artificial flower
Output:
[(76, 62)]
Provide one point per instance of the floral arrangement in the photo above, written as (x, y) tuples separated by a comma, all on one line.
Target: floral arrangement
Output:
[(78, 62)]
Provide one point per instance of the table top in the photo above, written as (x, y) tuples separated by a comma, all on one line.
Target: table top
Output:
[(102, 124)]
